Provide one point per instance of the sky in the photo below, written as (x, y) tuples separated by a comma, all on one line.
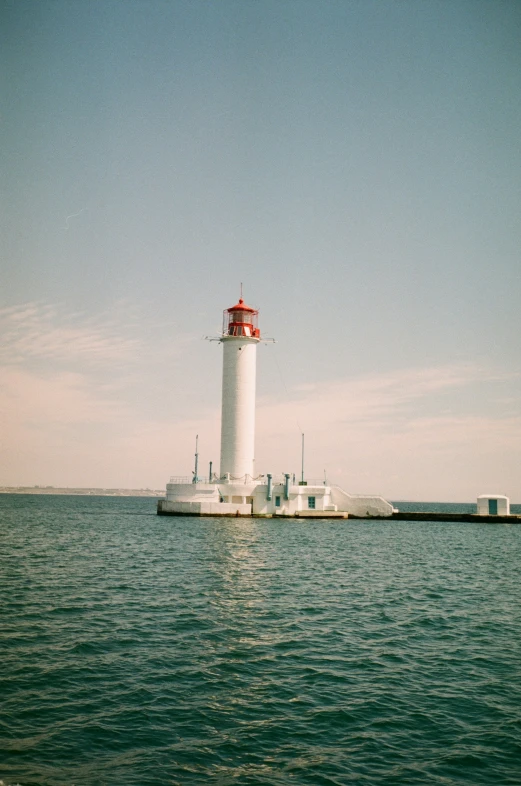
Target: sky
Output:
[(356, 165)]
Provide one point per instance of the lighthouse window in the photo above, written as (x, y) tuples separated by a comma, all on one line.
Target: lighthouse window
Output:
[(311, 503), (240, 316), (277, 502)]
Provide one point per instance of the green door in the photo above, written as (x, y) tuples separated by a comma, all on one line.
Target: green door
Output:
[(492, 507)]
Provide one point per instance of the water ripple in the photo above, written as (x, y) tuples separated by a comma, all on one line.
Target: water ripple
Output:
[(145, 650)]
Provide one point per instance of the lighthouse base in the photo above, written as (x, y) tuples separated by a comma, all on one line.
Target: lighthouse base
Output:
[(280, 498)]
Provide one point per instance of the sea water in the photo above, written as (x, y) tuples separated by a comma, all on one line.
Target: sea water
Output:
[(139, 649)]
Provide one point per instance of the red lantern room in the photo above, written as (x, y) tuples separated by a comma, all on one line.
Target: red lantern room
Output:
[(241, 320)]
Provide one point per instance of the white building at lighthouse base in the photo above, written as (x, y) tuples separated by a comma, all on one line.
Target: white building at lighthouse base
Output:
[(267, 497)]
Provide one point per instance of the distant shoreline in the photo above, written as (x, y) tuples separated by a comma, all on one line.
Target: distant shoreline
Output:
[(155, 493), (79, 492)]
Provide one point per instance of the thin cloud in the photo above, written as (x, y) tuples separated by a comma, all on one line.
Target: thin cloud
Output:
[(370, 399), (47, 333), (40, 331), (391, 432), (74, 386), (38, 400), (73, 215)]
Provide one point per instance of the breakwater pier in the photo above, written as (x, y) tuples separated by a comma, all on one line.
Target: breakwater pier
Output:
[(397, 515), (472, 518)]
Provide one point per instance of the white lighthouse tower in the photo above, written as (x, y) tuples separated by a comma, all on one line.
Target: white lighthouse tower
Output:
[(240, 336)]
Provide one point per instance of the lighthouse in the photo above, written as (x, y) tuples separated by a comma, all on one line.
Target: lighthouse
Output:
[(240, 336), (239, 489)]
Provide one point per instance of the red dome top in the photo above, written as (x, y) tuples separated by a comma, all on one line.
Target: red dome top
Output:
[(241, 306)]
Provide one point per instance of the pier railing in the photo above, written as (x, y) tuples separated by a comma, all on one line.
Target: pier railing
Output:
[(276, 480), (188, 479)]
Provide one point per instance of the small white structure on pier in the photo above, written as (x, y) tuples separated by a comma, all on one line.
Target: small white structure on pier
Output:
[(493, 505), (236, 491)]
